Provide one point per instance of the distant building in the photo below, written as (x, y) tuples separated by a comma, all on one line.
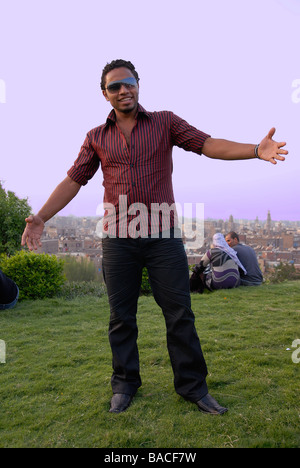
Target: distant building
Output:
[(49, 246), (71, 245), (273, 241)]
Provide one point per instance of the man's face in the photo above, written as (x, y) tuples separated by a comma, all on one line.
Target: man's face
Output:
[(125, 100), (230, 241)]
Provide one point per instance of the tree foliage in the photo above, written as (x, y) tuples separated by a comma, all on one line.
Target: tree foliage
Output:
[(13, 212)]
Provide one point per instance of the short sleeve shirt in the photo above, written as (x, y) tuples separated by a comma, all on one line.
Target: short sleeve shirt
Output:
[(141, 172)]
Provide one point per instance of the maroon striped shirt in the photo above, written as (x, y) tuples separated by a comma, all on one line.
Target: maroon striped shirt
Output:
[(143, 171)]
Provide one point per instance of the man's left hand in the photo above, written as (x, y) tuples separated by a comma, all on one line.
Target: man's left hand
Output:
[(270, 150)]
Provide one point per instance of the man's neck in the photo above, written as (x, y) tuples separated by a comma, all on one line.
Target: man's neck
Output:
[(126, 118)]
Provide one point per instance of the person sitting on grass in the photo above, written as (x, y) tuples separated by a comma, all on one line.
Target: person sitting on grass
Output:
[(247, 256), (219, 268), (9, 292)]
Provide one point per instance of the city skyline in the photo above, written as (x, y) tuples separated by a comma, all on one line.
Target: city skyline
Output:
[(274, 242), (226, 219), (230, 88)]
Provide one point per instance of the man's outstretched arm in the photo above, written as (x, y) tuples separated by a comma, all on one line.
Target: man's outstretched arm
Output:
[(61, 196), (268, 150)]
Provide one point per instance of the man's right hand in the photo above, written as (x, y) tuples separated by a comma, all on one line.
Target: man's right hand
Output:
[(33, 231), (62, 195)]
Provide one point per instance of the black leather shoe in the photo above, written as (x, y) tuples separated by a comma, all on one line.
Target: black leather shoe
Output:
[(209, 405), (120, 402)]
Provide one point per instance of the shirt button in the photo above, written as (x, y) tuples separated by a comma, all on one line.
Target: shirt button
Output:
[(131, 165)]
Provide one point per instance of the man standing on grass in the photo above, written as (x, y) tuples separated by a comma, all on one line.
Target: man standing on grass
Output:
[(134, 148)]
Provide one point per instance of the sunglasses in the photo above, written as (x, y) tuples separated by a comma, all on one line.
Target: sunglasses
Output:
[(115, 86)]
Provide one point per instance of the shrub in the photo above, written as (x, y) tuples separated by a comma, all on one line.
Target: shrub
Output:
[(37, 275), (145, 287), (284, 272), (79, 269)]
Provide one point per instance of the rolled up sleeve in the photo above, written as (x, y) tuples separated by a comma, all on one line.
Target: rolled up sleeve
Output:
[(86, 164), (186, 136)]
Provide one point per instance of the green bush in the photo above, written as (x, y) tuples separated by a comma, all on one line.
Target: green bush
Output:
[(37, 275), (284, 272), (79, 269), (145, 287)]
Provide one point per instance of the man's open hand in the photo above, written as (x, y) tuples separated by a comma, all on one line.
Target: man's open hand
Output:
[(32, 233), (270, 150)]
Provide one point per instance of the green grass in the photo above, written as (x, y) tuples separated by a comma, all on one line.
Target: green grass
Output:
[(55, 384)]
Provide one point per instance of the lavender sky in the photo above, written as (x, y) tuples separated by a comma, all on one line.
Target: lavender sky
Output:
[(229, 68)]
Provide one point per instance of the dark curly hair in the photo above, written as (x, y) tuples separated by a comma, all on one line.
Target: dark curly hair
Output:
[(117, 64)]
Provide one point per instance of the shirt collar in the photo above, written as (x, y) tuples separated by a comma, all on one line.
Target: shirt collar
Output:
[(140, 111)]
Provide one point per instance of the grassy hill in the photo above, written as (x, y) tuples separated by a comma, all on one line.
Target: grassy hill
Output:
[(55, 384)]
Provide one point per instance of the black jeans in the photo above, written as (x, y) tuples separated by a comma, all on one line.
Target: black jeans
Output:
[(166, 261)]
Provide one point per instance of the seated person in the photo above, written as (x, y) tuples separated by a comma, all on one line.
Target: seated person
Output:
[(9, 292), (247, 256), (224, 271)]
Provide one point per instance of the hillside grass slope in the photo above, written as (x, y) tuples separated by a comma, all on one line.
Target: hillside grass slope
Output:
[(55, 384)]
